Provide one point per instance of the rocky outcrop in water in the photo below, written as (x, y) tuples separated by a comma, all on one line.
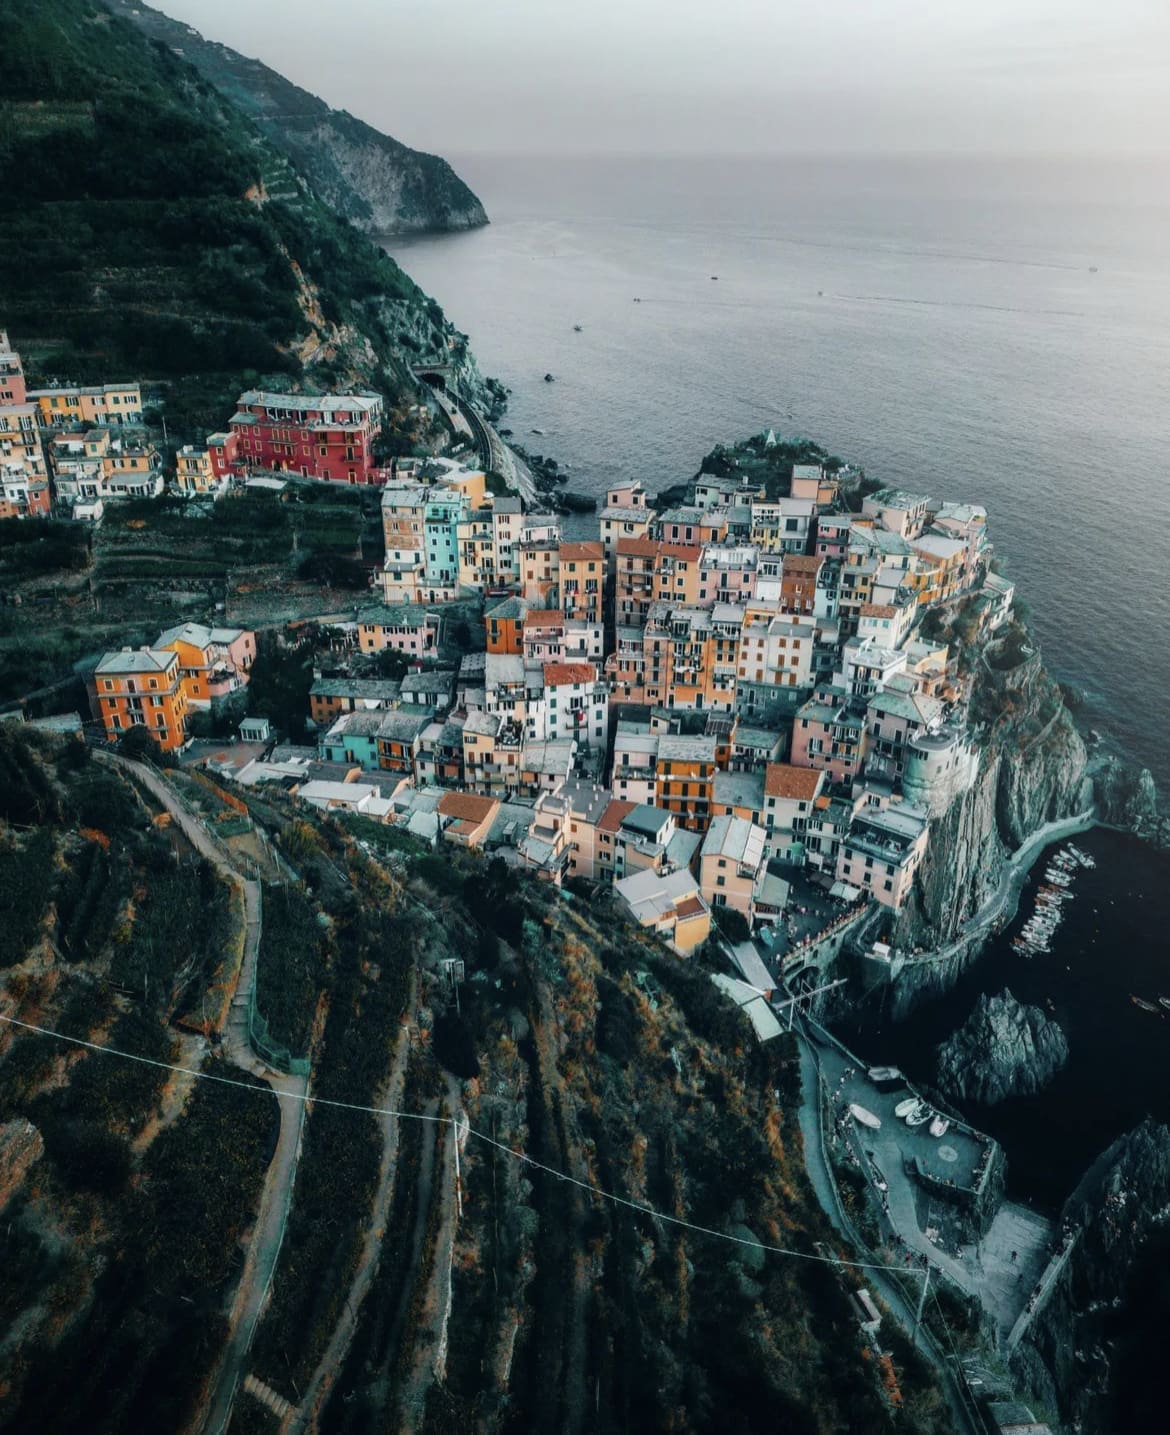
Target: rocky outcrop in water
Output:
[(1121, 1210), (1126, 797), (1003, 1049), (380, 185)]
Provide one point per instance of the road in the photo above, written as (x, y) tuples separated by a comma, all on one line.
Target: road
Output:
[(268, 1231), (825, 1188)]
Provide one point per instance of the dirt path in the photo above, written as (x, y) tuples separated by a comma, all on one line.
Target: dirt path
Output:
[(268, 1229), (433, 1271), (332, 1361)]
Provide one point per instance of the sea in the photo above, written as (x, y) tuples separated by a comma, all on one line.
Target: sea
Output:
[(984, 329)]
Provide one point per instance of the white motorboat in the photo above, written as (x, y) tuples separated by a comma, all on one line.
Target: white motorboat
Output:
[(919, 1117), (884, 1073), (864, 1117), (904, 1108), (939, 1126)]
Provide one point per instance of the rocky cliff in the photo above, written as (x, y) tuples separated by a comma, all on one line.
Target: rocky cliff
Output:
[(1003, 1049), (1126, 797), (380, 185), (1071, 1354), (1031, 772)]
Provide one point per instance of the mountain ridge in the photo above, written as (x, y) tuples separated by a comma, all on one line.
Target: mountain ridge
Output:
[(379, 184)]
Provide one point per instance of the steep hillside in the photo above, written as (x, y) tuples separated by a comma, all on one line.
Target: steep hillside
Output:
[(149, 230), (410, 1293), (380, 185)]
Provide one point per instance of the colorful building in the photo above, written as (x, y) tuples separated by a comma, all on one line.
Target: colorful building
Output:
[(142, 688), (110, 405), (326, 436)]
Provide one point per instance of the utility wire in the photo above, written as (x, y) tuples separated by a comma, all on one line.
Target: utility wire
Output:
[(521, 1156)]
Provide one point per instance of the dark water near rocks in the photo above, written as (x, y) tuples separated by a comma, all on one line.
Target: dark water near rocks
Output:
[(936, 321), (1114, 941)]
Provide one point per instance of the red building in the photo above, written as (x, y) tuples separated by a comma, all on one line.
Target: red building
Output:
[(12, 390), (328, 436)]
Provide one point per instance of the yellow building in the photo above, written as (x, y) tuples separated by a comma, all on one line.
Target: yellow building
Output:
[(194, 472), (101, 404)]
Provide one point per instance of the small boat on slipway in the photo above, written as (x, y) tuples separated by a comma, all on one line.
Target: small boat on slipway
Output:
[(939, 1126), (864, 1117), (904, 1108), (919, 1117), (1145, 1005), (884, 1073)]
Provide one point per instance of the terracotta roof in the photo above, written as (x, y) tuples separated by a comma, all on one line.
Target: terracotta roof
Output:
[(582, 550), (781, 779), (878, 610), (545, 618), (690, 908), (614, 815), (557, 674), (692, 552), (467, 806), (638, 547), (801, 563)]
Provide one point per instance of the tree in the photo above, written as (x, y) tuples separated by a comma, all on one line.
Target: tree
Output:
[(733, 924), (139, 743)]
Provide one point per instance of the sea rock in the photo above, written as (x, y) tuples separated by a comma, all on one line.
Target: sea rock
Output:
[(1125, 795), (1003, 1049)]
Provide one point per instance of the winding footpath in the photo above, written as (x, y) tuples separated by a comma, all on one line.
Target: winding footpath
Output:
[(255, 1284)]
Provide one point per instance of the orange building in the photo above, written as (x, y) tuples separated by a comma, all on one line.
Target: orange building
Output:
[(686, 779), (142, 688), (582, 580), (213, 662), (505, 626)]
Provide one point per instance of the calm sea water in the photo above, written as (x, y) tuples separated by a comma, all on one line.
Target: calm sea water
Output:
[(937, 322)]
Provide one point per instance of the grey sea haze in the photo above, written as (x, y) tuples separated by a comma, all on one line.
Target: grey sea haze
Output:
[(990, 329)]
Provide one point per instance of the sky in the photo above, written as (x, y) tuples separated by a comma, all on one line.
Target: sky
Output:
[(723, 76)]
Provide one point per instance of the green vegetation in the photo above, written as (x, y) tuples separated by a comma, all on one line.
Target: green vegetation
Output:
[(34, 550), (178, 935), (24, 894), (133, 244), (291, 968), (366, 990), (279, 685), (754, 460)]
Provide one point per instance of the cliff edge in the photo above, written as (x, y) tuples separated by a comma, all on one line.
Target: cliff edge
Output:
[(378, 184)]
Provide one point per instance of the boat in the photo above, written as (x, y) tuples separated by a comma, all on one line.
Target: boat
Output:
[(1092, 269), (1145, 1005), (576, 328), (884, 1073), (538, 431), (904, 1108), (920, 1117), (714, 276), (866, 1118), (637, 300), (550, 378), (1164, 1003), (939, 1126)]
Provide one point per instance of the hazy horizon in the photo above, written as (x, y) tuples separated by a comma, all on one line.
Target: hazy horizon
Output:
[(1033, 78)]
